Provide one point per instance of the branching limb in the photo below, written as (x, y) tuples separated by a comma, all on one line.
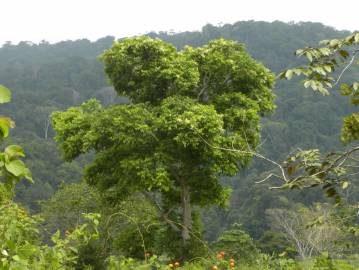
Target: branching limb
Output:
[(346, 67)]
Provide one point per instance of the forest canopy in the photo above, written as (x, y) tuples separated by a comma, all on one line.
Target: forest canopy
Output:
[(151, 148)]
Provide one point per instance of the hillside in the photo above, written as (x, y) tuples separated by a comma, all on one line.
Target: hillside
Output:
[(46, 78)]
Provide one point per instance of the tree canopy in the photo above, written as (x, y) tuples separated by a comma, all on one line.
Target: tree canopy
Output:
[(182, 103)]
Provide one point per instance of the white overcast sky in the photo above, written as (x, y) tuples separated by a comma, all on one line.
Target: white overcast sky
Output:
[(56, 20)]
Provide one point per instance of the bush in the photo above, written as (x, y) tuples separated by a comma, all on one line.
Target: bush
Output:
[(324, 262), (237, 244)]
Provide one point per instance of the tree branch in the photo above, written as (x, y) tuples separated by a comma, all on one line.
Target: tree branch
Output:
[(346, 67)]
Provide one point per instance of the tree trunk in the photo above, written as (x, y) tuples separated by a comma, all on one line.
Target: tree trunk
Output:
[(186, 213), (47, 126)]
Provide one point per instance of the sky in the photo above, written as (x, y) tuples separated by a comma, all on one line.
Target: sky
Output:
[(56, 20)]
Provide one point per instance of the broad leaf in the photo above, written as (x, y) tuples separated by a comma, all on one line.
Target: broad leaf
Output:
[(28, 175), (5, 94), (16, 167), (14, 151), (5, 124)]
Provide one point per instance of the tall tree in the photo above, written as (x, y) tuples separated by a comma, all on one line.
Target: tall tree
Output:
[(182, 102)]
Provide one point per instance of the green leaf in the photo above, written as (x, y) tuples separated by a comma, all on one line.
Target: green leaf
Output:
[(345, 184), (16, 258), (5, 94), (307, 84), (346, 90), (14, 151), (282, 75), (328, 68), (331, 192), (74, 249), (283, 254), (299, 52), (16, 167), (344, 53), (4, 126), (356, 37), (334, 43), (289, 74), (55, 237), (309, 56), (28, 175)]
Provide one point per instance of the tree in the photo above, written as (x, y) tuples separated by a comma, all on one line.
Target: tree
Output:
[(65, 209), (310, 230), (181, 102), (236, 243), (129, 228)]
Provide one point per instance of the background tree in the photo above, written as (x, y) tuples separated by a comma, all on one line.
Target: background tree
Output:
[(237, 244), (311, 231), (128, 228), (65, 209)]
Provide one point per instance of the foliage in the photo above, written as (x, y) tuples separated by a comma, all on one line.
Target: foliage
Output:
[(12, 168), (183, 103), (45, 77), (335, 171), (237, 244), (323, 62), (168, 242), (274, 242), (128, 228), (334, 168), (302, 119), (66, 208), (20, 247), (324, 262), (264, 262), (149, 70), (311, 231)]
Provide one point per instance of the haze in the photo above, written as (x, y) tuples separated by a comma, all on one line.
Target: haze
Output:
[(55, 20)]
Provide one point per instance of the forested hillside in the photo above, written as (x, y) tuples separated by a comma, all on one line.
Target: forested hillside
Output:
[(46, 78)]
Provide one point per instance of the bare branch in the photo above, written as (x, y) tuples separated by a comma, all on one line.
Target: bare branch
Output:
[(253, 153), (346, 67)]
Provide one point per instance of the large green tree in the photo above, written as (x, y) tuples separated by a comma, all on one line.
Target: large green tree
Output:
[(182, 103)]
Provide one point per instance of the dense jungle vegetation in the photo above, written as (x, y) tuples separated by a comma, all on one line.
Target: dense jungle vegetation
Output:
[(123, 139)]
